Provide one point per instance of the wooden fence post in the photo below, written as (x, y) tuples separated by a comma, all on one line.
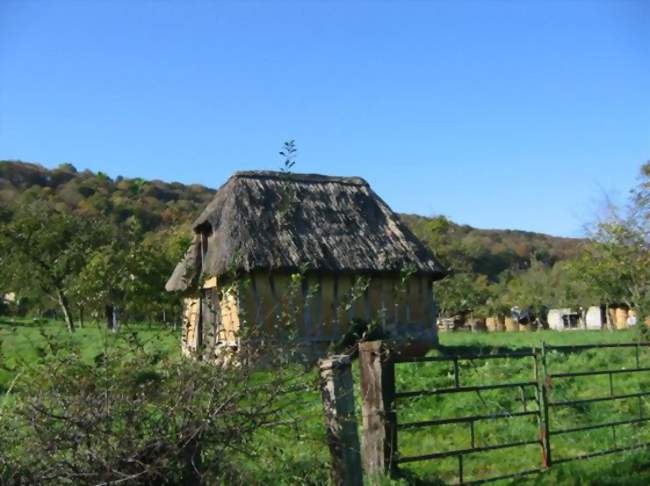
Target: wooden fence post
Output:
[(379, 417), (543, 384), (337, 391)]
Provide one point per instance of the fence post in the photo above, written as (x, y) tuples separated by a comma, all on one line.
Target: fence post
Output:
[(379, 417), (543, 384), (337, 391)]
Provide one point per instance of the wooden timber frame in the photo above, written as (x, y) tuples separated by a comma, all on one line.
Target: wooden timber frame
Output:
[(381, 425)]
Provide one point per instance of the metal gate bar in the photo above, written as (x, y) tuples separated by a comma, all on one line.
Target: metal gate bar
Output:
[(602, 453), (469, 418), (464, 357), (597, 399), (469, 450), (461, 389), (599, 426), (519, 474), (598, 372)]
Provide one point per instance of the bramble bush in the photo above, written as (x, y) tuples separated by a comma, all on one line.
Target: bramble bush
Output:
[(135, 414)]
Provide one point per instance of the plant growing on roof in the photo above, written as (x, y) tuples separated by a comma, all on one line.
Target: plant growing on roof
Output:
[(288, 194)]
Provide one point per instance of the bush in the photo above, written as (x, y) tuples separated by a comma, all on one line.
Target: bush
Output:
[(133, 414)]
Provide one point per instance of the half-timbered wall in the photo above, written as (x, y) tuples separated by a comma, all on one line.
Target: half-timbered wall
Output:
[(318, 307), (191, 326)]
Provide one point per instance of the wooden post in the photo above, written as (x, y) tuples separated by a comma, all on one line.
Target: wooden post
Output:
[(544, 389), (379, 417), (337, 391)]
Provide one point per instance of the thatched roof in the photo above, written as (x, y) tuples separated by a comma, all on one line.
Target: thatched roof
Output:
[(286, 222), (186, 271)]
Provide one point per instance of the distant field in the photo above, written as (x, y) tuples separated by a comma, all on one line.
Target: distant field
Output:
[(528, 339), (23, 341)]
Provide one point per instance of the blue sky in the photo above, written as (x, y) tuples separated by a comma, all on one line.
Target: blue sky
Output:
[(496, 114)]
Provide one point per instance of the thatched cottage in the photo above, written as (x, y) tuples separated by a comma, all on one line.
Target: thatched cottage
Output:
[(358, 261)]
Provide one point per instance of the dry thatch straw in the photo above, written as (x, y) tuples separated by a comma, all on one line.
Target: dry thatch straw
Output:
[(274, 221)]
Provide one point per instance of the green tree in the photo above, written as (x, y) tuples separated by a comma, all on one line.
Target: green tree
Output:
[(616, 263), (461, 293), (46, 249), (128, 271), (530, 288)]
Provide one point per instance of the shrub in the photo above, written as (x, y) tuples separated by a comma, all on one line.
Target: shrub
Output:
[(133, 414)]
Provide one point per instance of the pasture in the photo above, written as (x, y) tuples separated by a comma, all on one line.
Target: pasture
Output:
[(300, 455)]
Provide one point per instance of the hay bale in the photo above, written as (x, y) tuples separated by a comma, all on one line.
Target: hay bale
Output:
[(477, 325), (446, 324), (501, 324), (632, 318), (620, 318), (610, 315), (511, 325), (491, 324), (595, 318)]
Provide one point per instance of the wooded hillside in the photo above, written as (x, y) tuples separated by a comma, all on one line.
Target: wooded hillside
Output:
[(158, 205), (155, 204), (489, 252)]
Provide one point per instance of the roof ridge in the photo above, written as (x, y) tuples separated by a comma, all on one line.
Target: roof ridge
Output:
[(300, 177)]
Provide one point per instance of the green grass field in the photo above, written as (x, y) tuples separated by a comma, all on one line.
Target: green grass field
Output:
[(305, 448)]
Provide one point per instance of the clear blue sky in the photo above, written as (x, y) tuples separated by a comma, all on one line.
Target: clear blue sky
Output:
[(514, 114)]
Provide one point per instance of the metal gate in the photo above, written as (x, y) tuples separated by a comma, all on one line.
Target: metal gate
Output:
[(541, 384)]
